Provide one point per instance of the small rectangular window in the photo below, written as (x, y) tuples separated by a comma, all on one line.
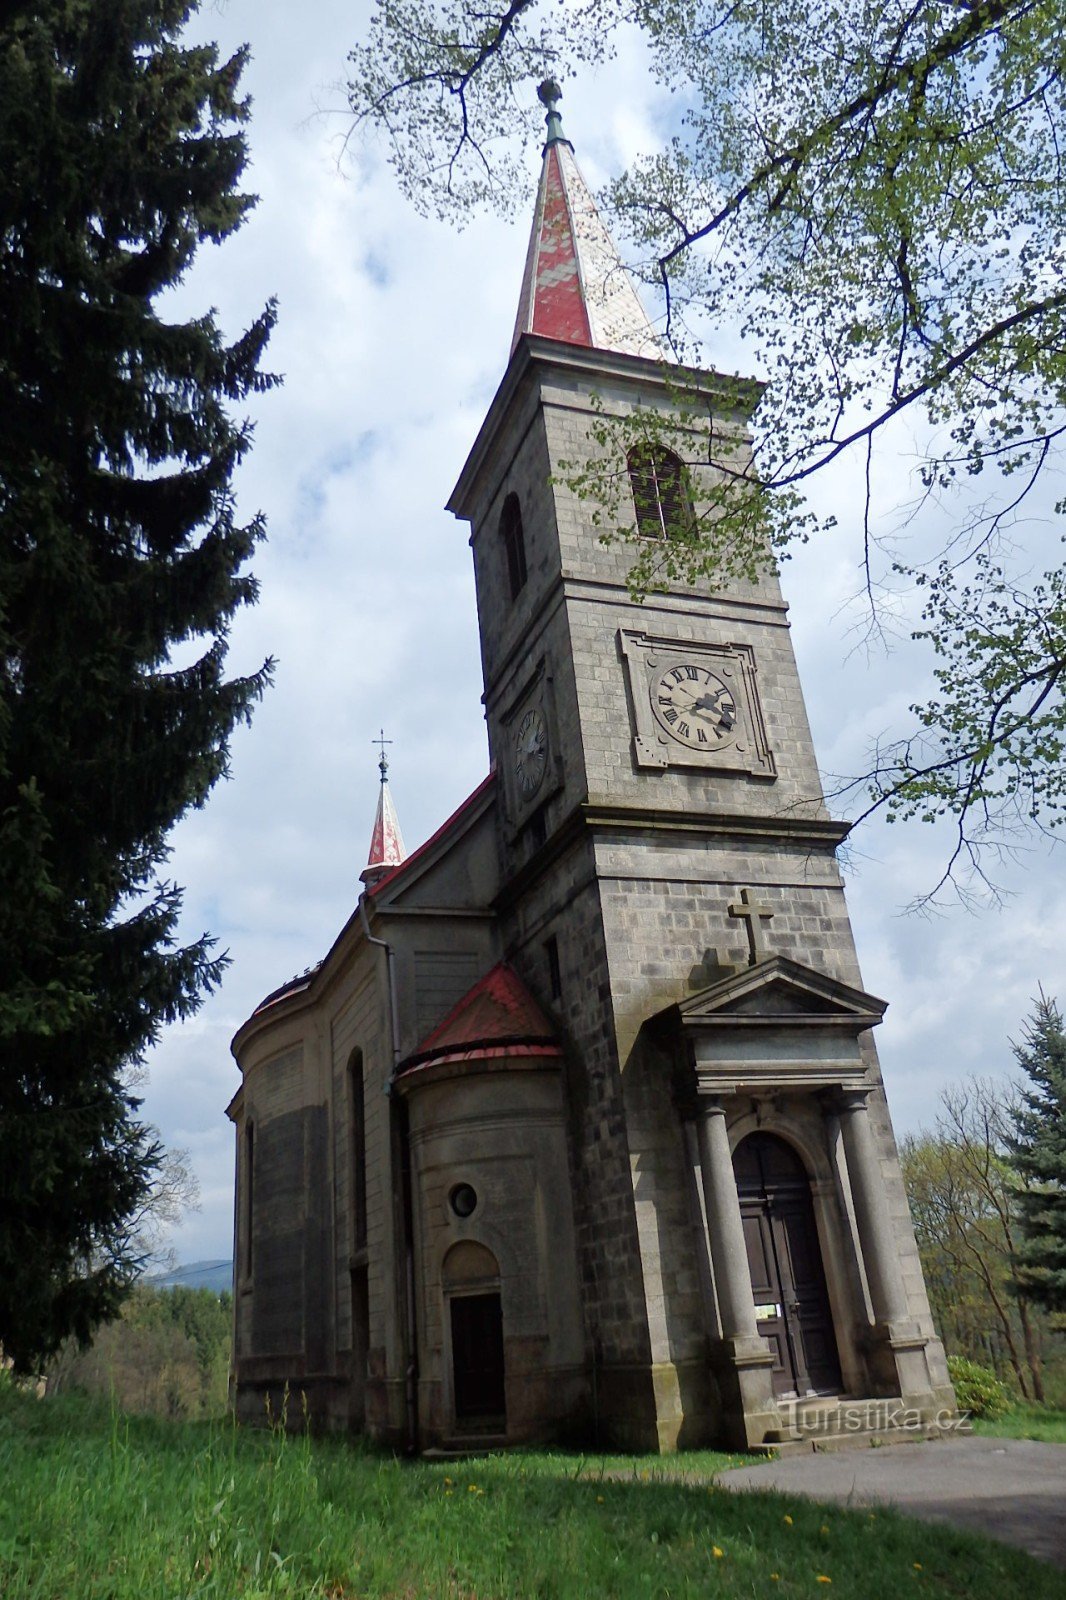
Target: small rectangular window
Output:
[(538, 828), (555, 980)]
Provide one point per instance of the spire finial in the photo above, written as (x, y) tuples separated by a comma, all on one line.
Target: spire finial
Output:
[(383, 761), (386, 842), (549, 94)]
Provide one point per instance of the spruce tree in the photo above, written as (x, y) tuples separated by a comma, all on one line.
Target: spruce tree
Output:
[(1038, 1152), (121, 567)]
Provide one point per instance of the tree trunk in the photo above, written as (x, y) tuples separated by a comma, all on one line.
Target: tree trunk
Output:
[(1032, 1349)]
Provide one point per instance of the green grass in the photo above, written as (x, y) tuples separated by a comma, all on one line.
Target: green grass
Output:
[(1047, 1423), (95, 1507)]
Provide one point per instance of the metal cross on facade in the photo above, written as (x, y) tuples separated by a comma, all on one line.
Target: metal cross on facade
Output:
[(754, 915), (383, 762)]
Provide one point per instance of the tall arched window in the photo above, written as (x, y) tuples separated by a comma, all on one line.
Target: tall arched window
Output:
[(514, 544), (249, 1195), (657, 478), (357, 1145)]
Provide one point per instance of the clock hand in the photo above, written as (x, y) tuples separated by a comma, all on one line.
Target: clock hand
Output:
[(712, 703)]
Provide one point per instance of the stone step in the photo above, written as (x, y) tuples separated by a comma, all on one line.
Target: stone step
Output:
[(472, 1445), (848, 1423)]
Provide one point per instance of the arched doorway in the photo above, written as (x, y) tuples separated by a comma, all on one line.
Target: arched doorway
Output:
[(785, 1262), (471, 1282)]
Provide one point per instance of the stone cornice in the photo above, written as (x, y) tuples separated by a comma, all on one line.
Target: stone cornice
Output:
[(591, 818), (571, 361)]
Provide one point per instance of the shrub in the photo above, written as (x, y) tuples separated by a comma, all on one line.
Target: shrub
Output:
[(977, 1389)]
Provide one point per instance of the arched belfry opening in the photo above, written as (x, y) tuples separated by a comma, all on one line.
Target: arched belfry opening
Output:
[(513, 537), (657, 479), (788, 1281)]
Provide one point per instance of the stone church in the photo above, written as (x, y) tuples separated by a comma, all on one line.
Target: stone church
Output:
[(578, 1132)]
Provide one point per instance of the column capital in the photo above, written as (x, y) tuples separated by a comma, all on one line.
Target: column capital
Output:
[(709, 1102), (847, 1101)]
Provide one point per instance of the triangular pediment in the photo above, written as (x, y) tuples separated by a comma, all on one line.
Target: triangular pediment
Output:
[(776, 990)]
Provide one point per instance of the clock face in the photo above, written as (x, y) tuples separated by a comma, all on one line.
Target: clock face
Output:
[(531, 752), (694, 706)]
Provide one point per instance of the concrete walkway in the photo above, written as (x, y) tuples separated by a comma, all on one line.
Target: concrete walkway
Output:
[(1009, 1489)]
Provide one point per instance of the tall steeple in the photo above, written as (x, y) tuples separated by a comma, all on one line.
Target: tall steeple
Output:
[(575, 287), (386, 841)]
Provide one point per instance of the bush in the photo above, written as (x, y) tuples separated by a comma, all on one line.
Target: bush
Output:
[(977, 1389)]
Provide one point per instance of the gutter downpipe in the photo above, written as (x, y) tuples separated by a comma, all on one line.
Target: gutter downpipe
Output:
[(411, 1370)]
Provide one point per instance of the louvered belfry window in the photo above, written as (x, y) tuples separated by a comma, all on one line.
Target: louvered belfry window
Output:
[(657, 478)]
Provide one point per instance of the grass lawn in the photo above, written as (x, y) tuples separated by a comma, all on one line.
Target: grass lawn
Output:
[(95, 1507), (1047, 1423)]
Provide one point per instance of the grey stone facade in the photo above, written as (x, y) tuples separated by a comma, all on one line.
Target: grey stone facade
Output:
[(589, 1003)]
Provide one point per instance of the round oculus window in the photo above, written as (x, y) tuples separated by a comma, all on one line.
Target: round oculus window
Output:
[(463, 1200)]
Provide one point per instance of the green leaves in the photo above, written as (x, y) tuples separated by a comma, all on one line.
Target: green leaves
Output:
[(1038, 1150)]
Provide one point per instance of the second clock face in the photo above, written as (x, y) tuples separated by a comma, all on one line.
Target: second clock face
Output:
[(531, 752), (694, 706)]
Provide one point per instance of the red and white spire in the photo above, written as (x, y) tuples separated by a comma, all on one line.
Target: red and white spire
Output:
[(575, 287), (386, 841)]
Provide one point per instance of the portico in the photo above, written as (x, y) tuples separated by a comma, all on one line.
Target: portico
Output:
[(808, 1295)]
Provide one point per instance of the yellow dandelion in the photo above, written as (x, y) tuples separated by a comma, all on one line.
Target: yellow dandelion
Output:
[(473, 1489), (717, 1552), (821, 1578), (788, 1520), (447, 1491), (917, 1566), (448, 1481), (824, 1528), (775, 1577), (599, 1499)]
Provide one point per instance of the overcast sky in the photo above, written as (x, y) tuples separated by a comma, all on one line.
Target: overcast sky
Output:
[(393, 335)]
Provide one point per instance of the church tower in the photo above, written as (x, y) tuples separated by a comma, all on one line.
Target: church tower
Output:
[(669, 887)]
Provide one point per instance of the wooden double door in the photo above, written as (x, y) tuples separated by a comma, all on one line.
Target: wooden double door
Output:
[(785, 1261)]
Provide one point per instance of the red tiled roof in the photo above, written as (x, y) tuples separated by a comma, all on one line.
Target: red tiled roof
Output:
[(575, 287), (498, 1016)]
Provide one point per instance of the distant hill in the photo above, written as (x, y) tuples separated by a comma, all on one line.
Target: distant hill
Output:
[(216, 1275)]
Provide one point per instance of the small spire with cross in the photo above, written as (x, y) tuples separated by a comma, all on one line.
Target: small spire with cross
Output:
[(383, 762), (754, 915), (386, 842)]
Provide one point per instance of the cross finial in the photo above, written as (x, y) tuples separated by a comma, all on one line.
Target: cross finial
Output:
[(383, 761), (754, 915)]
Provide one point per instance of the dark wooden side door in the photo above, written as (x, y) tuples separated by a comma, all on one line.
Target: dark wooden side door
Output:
[(477, 1359), (785, 1262)]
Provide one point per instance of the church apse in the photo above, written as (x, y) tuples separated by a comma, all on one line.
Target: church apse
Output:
[(494, 1223)]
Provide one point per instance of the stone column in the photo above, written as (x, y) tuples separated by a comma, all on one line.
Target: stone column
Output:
[(877, 1238), (729, 1255), (743, 1360)]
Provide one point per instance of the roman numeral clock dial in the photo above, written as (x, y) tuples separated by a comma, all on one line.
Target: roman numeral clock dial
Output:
[(693, 706), (531, 752)]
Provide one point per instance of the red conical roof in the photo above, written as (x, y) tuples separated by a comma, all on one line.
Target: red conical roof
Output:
[(575, 287), (497, 1019), (386, 841)]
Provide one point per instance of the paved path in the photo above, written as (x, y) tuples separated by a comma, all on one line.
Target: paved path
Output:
[(1010, 1489)]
